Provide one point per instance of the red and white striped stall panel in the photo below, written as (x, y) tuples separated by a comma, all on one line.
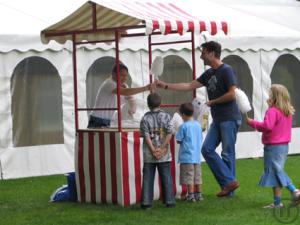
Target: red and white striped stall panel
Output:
[(109, 168)]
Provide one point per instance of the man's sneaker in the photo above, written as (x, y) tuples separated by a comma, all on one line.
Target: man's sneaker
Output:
[(273, 206), (228, 188), (296, 197), (199, 197)]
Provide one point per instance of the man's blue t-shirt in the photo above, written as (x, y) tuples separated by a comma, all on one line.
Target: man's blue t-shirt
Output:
[(190, 137), (217, 82)]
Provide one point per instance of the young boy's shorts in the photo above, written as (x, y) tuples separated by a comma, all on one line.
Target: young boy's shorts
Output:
[(190, 173)]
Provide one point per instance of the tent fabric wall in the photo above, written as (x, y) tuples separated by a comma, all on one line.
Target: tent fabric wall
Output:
[(260, 46), (44, 159), (261, 63), (56, 159)]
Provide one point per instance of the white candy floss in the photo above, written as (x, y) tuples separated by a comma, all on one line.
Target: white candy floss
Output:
[(242, 101), (157, 67)]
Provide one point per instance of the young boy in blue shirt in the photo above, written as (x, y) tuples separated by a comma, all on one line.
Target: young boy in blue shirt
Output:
[(189, 136)]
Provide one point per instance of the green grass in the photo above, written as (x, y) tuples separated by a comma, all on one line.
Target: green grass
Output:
[(25, 201)]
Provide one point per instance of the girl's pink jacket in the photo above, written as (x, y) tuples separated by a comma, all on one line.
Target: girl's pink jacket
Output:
[(276, 127)]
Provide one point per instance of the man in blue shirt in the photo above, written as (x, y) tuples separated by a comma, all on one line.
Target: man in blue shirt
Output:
[(220, 81)]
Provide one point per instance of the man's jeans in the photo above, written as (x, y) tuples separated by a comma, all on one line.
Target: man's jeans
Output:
[(164, 171), (222, 167)]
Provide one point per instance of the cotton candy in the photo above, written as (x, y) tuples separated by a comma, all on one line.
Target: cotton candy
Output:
[(157, 67), (242, 101)]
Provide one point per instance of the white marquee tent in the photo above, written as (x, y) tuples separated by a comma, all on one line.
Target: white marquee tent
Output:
[(37, 132)]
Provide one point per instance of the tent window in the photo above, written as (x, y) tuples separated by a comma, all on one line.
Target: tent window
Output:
[(36, 103), (286, 71), (176, 70), (244, 81), (97, 73)]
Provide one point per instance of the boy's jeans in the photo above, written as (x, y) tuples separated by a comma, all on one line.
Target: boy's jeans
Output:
[(222, 167), (164, 171)]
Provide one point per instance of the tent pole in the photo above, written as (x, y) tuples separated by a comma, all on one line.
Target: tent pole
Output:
[(193, 59), (75, 82), (118, 80), (150, 56), (94, 15)]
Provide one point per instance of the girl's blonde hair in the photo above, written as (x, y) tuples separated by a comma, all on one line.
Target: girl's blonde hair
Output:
[(280, 98)]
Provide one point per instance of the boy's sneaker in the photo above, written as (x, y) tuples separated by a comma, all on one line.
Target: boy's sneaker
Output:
[(146, 207), (273, 206), (199, 197), (190, 198), (170, 205), (296, 197)]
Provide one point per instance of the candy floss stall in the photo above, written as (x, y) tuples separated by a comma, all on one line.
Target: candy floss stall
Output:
[(108, 161)]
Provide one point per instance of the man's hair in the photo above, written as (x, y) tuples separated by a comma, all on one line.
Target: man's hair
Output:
[(213, 46), (153, 100), (122, 67), (186, 109)]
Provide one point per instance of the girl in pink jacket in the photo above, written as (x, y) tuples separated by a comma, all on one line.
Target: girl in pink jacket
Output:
[(276, 135)]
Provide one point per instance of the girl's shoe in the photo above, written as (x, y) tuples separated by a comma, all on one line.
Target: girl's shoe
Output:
[(272, 206)]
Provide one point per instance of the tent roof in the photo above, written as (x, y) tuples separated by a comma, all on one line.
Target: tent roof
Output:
[(284, 15), (30, 17), (98, 16), (248, 29)]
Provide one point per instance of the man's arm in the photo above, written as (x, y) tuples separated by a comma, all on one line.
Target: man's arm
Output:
[(133, 91), (179, 86), (227, 97)]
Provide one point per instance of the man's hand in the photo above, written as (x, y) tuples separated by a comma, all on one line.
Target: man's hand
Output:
[(152, 87), (160, 84), (209, 103)]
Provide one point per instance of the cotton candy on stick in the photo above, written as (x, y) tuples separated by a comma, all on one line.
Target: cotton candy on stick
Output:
[(157, 67), (242, 101)]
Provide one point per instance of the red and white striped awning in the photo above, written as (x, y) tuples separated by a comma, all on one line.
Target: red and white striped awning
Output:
[(165, 17)]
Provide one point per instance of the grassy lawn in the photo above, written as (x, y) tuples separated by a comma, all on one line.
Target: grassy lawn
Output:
[(25, 201)]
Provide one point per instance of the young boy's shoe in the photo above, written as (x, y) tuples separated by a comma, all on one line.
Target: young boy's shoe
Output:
[(171, 205), (199, 197), (296, 197), (146, 207), (273, 206), (190, 198)]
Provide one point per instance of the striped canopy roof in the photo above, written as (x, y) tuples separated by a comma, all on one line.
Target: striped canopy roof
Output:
[(90, 19)]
